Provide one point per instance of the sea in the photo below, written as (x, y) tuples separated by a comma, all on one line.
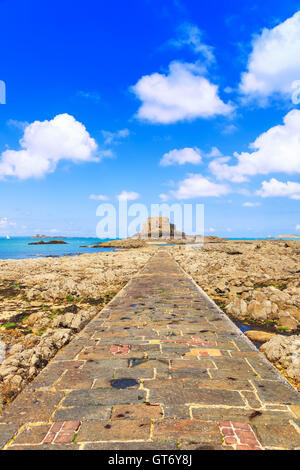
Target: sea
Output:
[(19, 248)]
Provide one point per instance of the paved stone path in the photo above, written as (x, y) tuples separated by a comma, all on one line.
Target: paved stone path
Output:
[(159, 368)]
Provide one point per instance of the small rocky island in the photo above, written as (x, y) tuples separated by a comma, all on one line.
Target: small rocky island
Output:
[(51, 242)]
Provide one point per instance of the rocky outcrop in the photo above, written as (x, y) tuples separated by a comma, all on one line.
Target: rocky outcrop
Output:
[(259, 336), (45, 302), (2, 351), (74, 321), (284, 352), (44, 279), (269, 304), (126, 243), (251, 281), (51, 242), (25, 359), (254, 282)]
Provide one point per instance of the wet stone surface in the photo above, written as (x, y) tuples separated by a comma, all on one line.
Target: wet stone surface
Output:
[(160, 367)]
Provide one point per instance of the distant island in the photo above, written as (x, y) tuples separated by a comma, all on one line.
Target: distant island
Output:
[(45, 236), (51, 242), (288, 236)]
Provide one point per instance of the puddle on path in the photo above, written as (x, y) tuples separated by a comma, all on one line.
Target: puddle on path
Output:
[(120, 384)]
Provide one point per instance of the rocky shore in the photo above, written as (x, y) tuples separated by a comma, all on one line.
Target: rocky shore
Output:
[(126, 243), (45, 302), (257, 283)]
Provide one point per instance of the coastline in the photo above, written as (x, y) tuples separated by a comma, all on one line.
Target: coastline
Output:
[(44, 301), (22, 248), (26, 247)]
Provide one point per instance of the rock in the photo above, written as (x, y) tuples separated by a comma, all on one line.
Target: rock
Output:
[(36, 359), (58, 321), (261, 284), (285, 351), (51, 242), (238, 308), (16, 381), (34, 317), (45, 286), (16, 348), (126, 243), (8, 378), (74, 321), (7, 370), (260, 336), (80, 320), (13, 360), (30, 341), (32, 371), (259, 310), (296, 315), (62, 337), (46, 354), (287, 321), (25, 356), (2, 351)]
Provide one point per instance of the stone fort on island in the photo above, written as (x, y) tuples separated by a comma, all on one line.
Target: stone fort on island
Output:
[(159, 227)]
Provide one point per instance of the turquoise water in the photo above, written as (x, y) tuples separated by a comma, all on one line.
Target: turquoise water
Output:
[(18, 248)]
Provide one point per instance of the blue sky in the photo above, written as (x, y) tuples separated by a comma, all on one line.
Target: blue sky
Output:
[(155, 100)]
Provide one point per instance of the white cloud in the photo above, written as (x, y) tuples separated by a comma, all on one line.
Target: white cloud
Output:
[(98, 197), (181, 156), (297, 227), (274, 63), (182, 94), (5, 223), (211, 229), (275, 188), (215, 152), (251, 204), (277, 150), (190, 35), (114, 137), (197, 186), (44, 144), (164, 197), (128, 196)]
